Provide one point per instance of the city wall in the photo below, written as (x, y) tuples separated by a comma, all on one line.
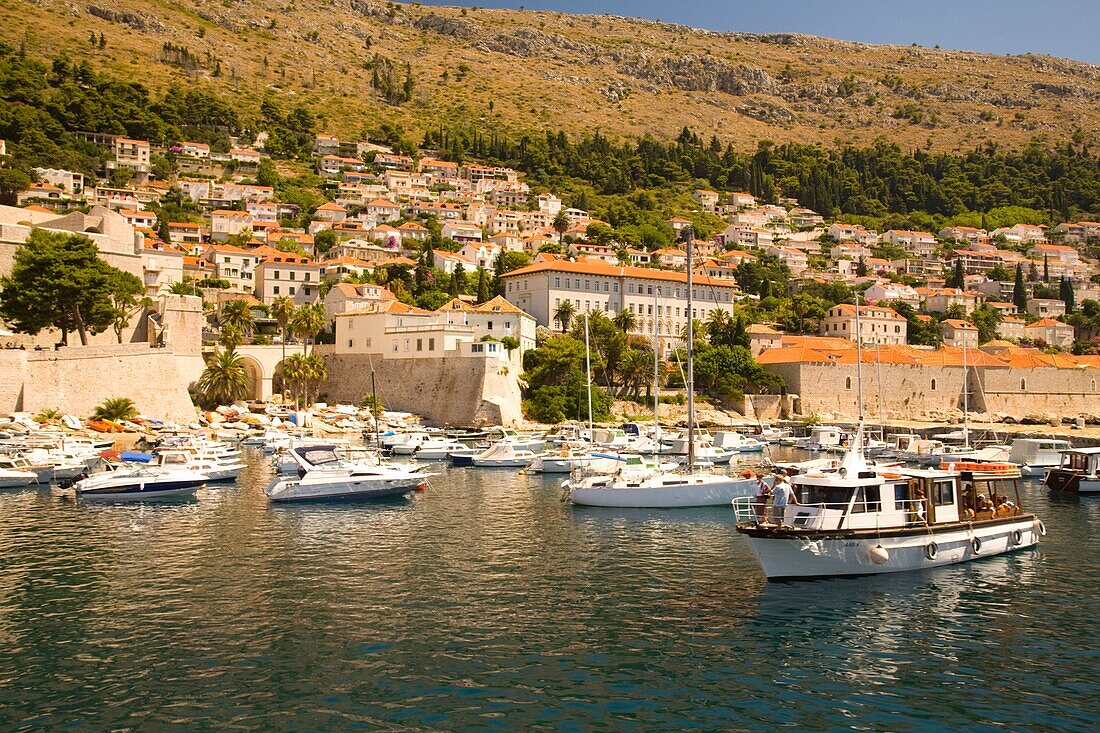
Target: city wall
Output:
[(907, 392), (447, 390), (76, 379)]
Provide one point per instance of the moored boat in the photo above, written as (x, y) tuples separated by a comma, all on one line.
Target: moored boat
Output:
[(140, 483), (1078, 472), (859, 521)]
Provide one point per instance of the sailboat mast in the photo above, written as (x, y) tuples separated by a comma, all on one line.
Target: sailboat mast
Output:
[(377, 412), (859, 364), (966, 396), (588, 376), (690, 360), (656, 378)]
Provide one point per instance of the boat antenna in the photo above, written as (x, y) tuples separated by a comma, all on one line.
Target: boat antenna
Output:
[(688, 235), (588, 376), (376, 412)]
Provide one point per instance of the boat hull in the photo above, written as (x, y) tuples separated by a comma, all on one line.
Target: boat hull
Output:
[(285, 491), (805, 556), (1063, 481), (664, 497), (141, 491)]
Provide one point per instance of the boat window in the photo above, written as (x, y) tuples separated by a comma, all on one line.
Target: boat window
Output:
[(867, 499), (943, 493)]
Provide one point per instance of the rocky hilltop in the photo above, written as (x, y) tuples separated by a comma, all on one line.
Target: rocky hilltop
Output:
[(526, 69)]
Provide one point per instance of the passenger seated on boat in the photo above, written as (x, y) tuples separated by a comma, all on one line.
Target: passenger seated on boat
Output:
[(1004, 506), (918, 514)]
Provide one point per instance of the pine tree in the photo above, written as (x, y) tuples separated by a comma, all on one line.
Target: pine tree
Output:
[(1066, 294), (1019, 291), (1046, 269), (102, 41)]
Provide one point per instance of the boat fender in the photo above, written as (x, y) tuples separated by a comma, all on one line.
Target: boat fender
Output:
[(1042, 528), (879, 555), (976, 545), (1017, 536), (931, 550)]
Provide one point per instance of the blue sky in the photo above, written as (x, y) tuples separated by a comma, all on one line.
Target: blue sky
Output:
[(1068, 28)]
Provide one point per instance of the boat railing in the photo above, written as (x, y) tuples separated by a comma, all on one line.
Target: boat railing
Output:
[(828, 515)]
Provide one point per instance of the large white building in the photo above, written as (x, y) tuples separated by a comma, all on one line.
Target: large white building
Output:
[(653, 296), (876, 325)]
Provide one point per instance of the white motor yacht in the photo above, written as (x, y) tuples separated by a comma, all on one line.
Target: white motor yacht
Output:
[(12, 478), (503, 454), (1035, 455), (324, 476), (737, 442), (140, 482)]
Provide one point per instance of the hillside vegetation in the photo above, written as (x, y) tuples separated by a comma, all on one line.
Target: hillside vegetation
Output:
[(358, 65)]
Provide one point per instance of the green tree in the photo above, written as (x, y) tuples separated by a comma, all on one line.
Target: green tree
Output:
[(987, 320), (957, 279), (308, 322), (123, 291), (225, 379), (458, 280), (57, 280), (12, 183), (237, 314), (115, 409), (1019, 290), (561, 223), (267, 174), (282, 310), (564, 314), (625, 320), (483, 294), (1066, 294), (324, 241)]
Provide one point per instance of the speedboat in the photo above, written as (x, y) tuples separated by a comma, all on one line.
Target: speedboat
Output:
[(140, 482), (737, 442), (704, 449), (12, 477), (438, 449), (215, 470), (503, 455), (638, 486), (862, 521), (324, 476)]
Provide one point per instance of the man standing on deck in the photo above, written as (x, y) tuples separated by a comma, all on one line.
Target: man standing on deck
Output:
[(782, 495)]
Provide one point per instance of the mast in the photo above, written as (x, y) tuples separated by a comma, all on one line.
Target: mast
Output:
[(691, 359), (588, 377), (854, 461), (374, 401), (656, 379), (966, 397)]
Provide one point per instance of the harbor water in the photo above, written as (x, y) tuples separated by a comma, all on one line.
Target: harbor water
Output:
[(485, 603)]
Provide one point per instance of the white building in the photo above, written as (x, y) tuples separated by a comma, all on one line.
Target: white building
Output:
[(877, 325)]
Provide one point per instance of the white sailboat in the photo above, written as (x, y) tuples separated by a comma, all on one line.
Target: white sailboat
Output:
[(656, 488)]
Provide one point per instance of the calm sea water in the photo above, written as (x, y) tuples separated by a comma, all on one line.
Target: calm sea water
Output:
[(485, 603)]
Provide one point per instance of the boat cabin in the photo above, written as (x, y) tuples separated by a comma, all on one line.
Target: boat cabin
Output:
[(1085, 461), (1037, 451), (870, 500), (825, 436)]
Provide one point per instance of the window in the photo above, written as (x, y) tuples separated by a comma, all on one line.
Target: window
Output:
[(847, 383), (615, 288), (1023, 385), (490, 325), (394, 342), (943, 493), (275, 274), (431, 344), (366, 343), (406, 344), (292, 274), (350, 343), (933, 384), (557, 283), (605, 284), (587, 284), (649, 290), (307, 277), (867, 499), (275, 290), (420, 344)]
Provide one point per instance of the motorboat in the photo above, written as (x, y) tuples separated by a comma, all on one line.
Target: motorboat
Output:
[(770, 434), (1035, 455), (140, 482), (324, 476), (15, 467), (1078, 472), (438, 449), (862, 521), (704, 449), (12, 478), (821, 437), (639, 486), (503, 454), (216, 471), (737, 442)]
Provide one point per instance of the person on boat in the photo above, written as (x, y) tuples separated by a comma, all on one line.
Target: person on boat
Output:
[(782, 495), (763, 493), (1004, 506), (918, 506)]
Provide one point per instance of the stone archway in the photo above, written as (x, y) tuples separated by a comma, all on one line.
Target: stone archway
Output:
[(256, 379)]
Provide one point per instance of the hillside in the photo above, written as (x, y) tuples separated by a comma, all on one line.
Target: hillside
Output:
[(525, 69)]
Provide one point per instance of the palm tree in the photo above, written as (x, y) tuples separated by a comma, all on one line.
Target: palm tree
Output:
[(309, 320), (314, 376), (294, 372), (225, 379), (282, 308), (564, 313), (238, 314), (626, 320), (561, 224), (717, 324), (182, 288), (115, 409)]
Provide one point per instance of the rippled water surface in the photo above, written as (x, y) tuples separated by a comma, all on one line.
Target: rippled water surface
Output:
[(485, 603)]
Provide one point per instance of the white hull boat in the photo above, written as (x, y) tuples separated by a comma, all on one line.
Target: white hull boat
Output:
[(323, 476), (660, 490), (503, 455), (137, 484), (14, 479)]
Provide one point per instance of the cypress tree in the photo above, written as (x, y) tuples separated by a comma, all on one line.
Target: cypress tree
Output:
[(1065, 293), (1019, 292)]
